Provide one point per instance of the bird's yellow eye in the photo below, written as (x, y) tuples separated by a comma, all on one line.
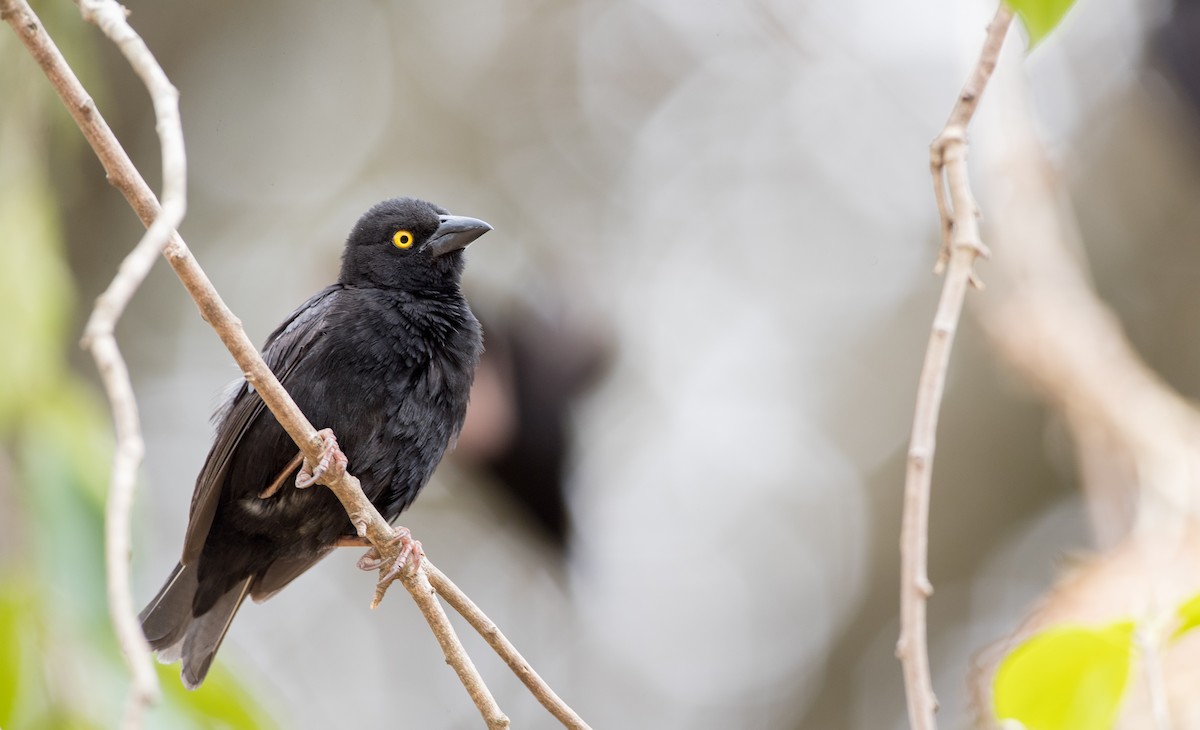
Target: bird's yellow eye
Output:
[(403, 239)]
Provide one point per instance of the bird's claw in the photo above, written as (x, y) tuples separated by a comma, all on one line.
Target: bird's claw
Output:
[(410, 549), (331, 466), (410, 557)]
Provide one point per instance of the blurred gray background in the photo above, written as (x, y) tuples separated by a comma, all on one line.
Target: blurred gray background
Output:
[(723, 211)]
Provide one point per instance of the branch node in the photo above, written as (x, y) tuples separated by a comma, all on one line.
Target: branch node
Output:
[(919, 457), (381, 589), (359, 520), (952, 135)]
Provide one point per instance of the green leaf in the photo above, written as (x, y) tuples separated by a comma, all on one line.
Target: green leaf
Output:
[(1040, 16), (35, 295), (1065, 677), (1189, 616), (221, 703), (12, 642)]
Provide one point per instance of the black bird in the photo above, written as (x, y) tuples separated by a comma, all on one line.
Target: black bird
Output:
[(385, 358)]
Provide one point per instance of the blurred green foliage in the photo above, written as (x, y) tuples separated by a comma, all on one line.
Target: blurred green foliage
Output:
[(1188, 615), (1040, 17), (59, 665), (1066, 677), (1075, 676)]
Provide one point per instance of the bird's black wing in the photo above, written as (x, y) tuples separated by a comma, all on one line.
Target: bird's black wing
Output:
[(285, 349)]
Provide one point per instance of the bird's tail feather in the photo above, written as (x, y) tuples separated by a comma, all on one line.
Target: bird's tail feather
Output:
[(166, 618), (173, 631), (205, 634)]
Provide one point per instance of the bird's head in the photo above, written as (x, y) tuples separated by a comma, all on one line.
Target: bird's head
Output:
[(404, 243)]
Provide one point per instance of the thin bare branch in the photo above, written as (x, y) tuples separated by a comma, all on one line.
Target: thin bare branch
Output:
[(961, 246), (418, 584), (130, 449), (954, 134), (491, 633), (99, 338)]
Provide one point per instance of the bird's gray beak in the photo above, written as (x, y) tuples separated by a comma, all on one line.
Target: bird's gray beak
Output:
[(455, 232)]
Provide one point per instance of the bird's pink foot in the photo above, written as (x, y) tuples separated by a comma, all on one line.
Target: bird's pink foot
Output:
[(410, 550), (331, 466), (280, 480)]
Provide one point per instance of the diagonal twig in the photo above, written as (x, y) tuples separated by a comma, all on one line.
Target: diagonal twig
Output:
[(961, 246), (491, 633), (456, 656)]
